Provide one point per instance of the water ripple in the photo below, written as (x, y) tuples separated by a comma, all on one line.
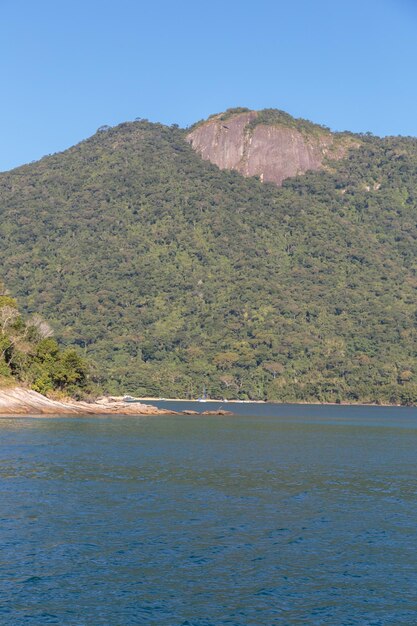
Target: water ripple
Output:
[(175, 521)]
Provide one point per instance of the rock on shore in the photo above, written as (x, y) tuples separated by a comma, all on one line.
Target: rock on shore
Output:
[(20, 401)]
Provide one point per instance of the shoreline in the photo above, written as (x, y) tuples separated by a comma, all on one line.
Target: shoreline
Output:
[(21, 402), (299, 402)]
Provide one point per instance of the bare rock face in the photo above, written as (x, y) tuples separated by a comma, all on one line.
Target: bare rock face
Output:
[(21, 401), (273, 152)]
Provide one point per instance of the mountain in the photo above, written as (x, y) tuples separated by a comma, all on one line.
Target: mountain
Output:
[(172, 274)]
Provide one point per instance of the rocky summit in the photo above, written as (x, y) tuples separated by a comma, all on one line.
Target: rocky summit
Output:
[(269, 144)]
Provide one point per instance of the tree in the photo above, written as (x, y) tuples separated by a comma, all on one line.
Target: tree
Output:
[(69, 371), (275, 368)]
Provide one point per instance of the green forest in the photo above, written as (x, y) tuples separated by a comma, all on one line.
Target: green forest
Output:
[(30, 355), (169, 275)]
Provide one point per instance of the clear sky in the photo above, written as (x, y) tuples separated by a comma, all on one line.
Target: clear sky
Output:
[(68, 67)]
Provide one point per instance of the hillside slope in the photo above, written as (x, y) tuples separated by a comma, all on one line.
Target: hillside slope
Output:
[(172, 274)]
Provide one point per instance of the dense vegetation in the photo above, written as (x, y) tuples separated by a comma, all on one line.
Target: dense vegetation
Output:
[(272, 117), (173, 275), (29, 354)]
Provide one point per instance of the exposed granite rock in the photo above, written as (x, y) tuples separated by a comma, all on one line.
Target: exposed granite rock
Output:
[(272, 152), (20, 401)]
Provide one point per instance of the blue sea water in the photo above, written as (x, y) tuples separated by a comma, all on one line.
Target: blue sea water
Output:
[(275, 516)]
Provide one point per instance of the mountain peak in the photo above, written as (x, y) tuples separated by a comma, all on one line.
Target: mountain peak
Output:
[(270, 143)]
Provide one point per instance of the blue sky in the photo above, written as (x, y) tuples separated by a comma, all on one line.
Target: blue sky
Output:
[(69, 67)]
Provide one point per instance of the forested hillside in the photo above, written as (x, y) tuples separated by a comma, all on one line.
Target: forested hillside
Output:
[(30, 355), (173, 275)]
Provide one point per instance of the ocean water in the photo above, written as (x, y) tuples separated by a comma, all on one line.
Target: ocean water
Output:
[(275, 516)]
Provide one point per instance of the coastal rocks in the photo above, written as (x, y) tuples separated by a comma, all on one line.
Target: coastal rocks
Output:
[(20, 401)]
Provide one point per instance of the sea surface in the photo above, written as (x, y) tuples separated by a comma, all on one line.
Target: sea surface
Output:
[(279, 515)]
